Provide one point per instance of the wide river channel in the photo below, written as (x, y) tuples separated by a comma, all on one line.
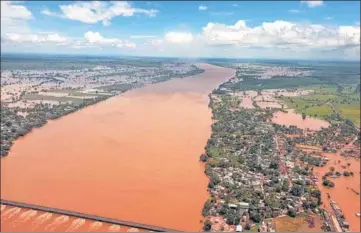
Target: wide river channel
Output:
[(133, 157)]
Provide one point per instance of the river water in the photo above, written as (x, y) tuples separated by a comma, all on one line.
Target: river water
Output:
[(133, 157)]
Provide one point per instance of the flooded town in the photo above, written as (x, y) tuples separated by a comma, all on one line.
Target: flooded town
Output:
[(180, 116), (264, 167)]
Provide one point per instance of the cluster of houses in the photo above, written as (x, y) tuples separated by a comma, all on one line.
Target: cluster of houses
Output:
[(249, 159)]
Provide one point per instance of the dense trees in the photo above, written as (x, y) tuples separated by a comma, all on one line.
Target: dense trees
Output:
[(207, 225)]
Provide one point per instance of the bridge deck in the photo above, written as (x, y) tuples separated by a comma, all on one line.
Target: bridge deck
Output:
[(86, 216)]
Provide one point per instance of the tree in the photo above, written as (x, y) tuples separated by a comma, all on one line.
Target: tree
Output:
[(304, 115), (207, 225), (285, 185), (346, 173), (203, 158), (325, 182), (207, 206), (255, 216), (232, 217), (297, 190), (292, 213), (273, 165)]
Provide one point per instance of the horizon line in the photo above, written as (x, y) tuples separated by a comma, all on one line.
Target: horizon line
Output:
[(175, 57)]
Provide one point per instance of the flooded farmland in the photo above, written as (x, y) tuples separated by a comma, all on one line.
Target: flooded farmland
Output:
[(134, 157), (291, 118), (344, 192)]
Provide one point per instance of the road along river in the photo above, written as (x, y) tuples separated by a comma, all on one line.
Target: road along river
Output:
[(133, 157)]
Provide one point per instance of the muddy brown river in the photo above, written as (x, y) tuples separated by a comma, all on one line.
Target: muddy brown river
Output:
[(133, 157)]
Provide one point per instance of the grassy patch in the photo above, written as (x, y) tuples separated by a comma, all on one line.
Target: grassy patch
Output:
[(116, 87), (52, 98), (274, 83), (350, 111), (346, 102)]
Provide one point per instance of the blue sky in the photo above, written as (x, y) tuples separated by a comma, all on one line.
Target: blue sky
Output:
[(254, 29)]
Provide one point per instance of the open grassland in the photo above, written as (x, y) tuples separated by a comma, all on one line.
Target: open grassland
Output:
[(52, 98), (350, 111), (344, 99), (275, 83)]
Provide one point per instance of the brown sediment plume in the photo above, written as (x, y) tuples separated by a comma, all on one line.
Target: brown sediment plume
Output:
[(133, 157)]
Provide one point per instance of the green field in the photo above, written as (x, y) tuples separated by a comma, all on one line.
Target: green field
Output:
[(350, 111), (274, 83), (318, 104), (52, 98)]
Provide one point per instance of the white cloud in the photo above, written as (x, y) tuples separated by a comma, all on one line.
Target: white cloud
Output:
[(90, 40), (96, 11), (94, 38), (178, 37), (294, 11), (50, 13), (157, 42), (202, 8), (312, 3), (142, 36), (36, 38), (328, 18), (282, 34), (11, 11), (14, 17)]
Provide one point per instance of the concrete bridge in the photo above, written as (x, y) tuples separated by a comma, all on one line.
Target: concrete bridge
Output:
[(85, 216)]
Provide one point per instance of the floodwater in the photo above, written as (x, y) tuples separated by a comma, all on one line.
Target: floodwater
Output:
[(39, 221), (342, 193), (264, 104), (291, 118), (134, 157)]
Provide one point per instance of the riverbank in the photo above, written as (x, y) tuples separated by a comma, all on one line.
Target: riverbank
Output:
[(30, 108), (133, 157)]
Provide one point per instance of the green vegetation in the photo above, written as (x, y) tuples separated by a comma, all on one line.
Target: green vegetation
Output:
[(250, 83), (207, 225), (52, 98), (326, 100)]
